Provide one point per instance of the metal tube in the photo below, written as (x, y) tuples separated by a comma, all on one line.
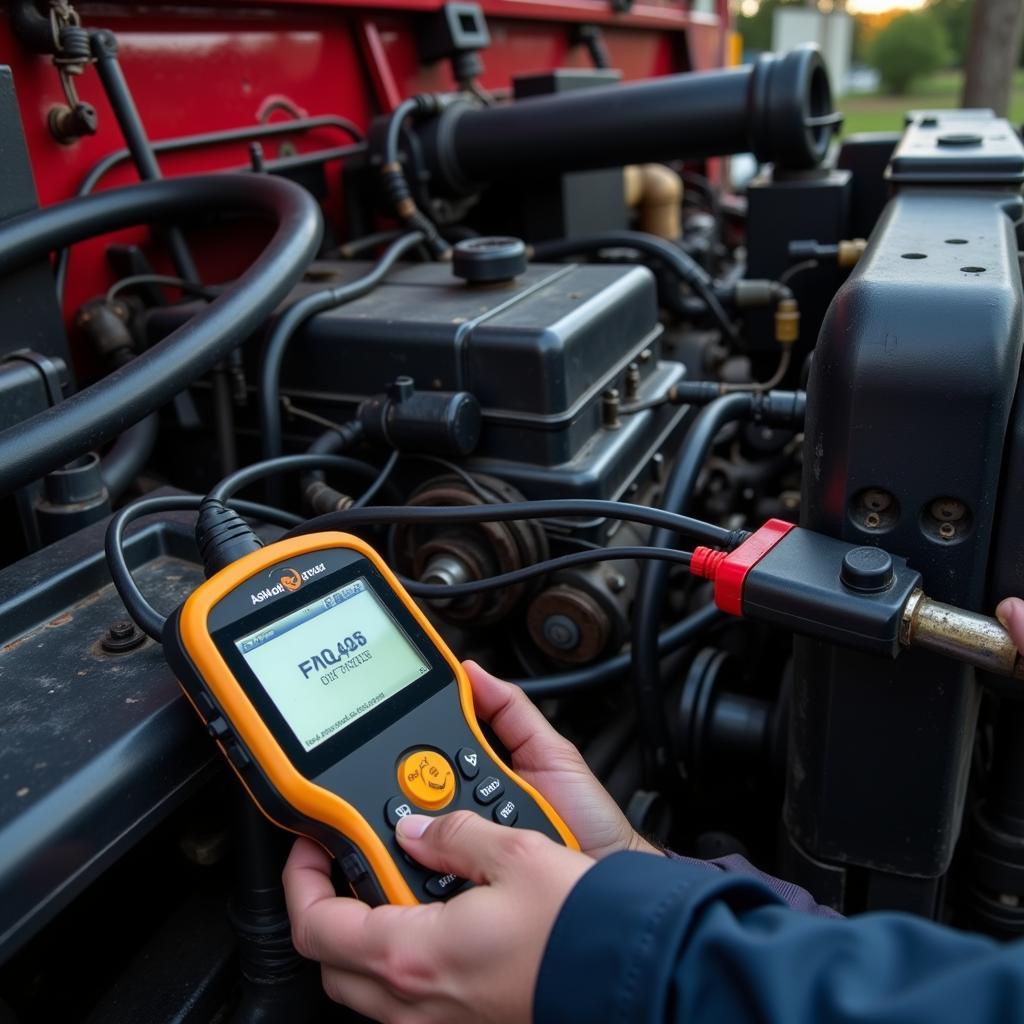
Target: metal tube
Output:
[(966, 636), (779, 108)]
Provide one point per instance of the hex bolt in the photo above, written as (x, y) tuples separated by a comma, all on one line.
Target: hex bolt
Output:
[(872, 520), (122, 636), (616, 582), (947, 531)]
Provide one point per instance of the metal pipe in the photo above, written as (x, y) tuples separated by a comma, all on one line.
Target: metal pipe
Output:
[(959, 634), (779, 108)]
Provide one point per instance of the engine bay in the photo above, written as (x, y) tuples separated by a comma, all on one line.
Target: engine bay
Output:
[(473, 282)]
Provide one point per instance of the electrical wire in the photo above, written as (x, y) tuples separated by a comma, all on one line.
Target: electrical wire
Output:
[(149, 620), (684, 266), (587, 677), (294, 317), (373, 490), (381, 515), (165, 280), (250, 474), (798, 268), (772, 382), (454, 591)]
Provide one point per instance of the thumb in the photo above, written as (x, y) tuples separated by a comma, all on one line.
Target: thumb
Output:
[(1011, 614), (462, 843)]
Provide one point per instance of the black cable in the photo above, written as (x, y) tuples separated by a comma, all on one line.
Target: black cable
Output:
[(572, 681), (250, 474), (454, 591), (110, 406), (297, 314), (149, 620), (684, 266), (166, 280), (373, 490), (692, 529), (648, 605)]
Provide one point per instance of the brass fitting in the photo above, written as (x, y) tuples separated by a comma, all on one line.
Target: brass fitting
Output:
[(965, 636), (787, 321), (656, 191), (850, 250)]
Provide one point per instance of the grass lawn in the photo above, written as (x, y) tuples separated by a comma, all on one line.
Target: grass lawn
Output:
[(877, 113)]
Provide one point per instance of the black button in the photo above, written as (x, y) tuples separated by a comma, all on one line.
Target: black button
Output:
[(442, 886), (396, 809), (867, 570), (506, 813), (469, 762), (238, 757), (354, 868), (206, 707), (489, 790), (218, 728)]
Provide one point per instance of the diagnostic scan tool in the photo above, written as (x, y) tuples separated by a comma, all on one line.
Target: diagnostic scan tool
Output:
[(341, 709)]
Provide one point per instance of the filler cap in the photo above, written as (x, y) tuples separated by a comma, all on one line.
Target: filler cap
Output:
[(489, 258)]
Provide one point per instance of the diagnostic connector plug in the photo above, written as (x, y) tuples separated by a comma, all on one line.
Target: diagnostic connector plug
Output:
[(814, 585)]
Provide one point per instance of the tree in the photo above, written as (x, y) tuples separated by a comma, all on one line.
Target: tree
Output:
[(996, 28), (910, 46), (955, 18)]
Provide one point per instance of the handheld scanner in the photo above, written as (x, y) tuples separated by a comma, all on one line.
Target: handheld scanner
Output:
[(341, 709)]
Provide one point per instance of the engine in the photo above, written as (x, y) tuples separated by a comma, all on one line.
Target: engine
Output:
[(355, 280)]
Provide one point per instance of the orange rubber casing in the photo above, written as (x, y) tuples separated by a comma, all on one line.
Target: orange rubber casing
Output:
[(308, 799)]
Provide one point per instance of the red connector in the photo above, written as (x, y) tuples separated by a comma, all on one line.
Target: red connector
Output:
[(728, 569)]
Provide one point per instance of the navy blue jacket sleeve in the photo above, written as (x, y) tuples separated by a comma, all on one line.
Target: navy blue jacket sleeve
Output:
[(647, 940)]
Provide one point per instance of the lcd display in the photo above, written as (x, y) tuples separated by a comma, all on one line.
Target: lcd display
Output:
[(330, 662)]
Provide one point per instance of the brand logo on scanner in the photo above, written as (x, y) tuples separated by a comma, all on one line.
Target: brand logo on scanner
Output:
[(289, 581)]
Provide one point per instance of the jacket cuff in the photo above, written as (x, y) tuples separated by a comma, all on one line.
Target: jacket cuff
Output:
[(617, 939)]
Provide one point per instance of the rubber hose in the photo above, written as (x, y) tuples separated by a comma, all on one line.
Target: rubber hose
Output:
[(129, 454), (113, 404), (653, 580)]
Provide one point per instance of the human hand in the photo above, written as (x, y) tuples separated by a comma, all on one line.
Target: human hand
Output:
[(551, 764), (1011, 614), (472, 960)]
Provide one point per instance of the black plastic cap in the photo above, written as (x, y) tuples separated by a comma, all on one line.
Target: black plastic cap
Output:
[(792, 120), (222, 536), (867, 570), (490, 258)]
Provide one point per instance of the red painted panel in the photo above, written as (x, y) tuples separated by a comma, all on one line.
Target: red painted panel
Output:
[(195, 68)]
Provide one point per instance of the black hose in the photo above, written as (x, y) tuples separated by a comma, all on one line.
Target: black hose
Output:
[(148, 619), (293, 317), (684, 266), (129, 454), (564, 684), (653, 579), (113, 404)]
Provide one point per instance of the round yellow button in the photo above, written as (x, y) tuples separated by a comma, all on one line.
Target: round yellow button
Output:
[(427, 779)]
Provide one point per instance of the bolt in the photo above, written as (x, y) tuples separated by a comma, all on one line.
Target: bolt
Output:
[(646, 356), (658, 467), (632, 381), (947, 510), (122, 636), (872, 520), (610, 409), (561, 632), (616, 582), (947, 531)]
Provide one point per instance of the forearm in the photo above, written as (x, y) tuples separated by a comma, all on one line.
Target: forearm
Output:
[(646, 940)]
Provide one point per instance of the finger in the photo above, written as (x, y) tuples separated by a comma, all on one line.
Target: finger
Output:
[(1011, 614), (306, 877), (364, 995), (517, 721), (462, 843)]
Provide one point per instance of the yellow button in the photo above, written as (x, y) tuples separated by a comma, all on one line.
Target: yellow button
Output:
[(427, 779)]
